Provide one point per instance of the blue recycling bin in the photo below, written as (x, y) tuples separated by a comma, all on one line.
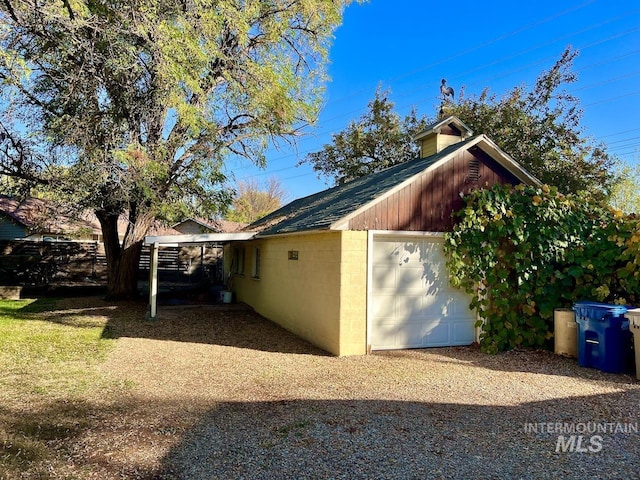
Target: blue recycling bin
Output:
[(604, 339)]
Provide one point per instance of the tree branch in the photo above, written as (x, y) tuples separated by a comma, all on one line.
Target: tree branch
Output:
[(69, 9)]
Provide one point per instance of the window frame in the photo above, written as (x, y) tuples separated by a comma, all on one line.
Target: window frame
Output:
[(255, 267)]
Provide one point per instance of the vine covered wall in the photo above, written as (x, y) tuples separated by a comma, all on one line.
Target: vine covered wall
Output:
[(523, 251)]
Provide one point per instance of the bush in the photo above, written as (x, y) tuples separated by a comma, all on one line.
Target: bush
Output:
[(523, 251)]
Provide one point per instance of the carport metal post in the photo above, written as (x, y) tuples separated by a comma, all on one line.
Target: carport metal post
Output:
[(153, 281)]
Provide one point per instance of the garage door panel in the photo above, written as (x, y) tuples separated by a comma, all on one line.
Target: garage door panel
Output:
[(384, 335), (409, 278), (383, 279), (438, 334), (386, 252), (411, 335), (409, 308), (413, 304), (463, 332), (433, 306), (458, 307), (384, 307)]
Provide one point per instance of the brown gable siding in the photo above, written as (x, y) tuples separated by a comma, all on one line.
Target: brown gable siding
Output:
[(426, 204)]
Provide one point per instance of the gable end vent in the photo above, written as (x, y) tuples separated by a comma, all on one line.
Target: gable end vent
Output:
[(474, 171)]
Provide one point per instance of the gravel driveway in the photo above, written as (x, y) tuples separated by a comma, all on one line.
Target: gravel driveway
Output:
[(221, 393)]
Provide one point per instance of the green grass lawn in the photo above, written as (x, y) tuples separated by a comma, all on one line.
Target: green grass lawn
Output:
[(45, 352), (49, 355)]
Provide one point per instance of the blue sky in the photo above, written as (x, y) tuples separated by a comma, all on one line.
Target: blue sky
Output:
[(408, 46)]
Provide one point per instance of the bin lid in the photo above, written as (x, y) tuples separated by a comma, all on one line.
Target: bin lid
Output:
[(607, 307)]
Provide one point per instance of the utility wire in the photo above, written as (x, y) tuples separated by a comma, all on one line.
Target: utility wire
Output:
[(298, 154)]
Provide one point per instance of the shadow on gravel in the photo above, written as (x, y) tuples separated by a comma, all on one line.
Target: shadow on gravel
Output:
[(324, 439), (234, 325), (391, 439), (531, 361)]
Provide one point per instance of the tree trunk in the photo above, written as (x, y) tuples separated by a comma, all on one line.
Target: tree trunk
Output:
[(122, 273), (122, 259)]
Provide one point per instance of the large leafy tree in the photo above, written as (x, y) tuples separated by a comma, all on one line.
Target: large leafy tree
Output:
[(540, 128), (129, 108), (254, 201), (378, 139), (625, 195)]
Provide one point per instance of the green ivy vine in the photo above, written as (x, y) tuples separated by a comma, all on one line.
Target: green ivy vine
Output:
[(523, 251)]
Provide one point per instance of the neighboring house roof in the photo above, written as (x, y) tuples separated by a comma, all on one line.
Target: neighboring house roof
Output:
[(213, 226), (201, 223), (43, 216), (47, 217), (329, 209)]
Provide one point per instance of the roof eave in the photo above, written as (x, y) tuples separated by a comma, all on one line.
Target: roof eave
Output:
[(466, 131), (507, 162)]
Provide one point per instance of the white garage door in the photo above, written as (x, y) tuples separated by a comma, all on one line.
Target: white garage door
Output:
[(413, 305)]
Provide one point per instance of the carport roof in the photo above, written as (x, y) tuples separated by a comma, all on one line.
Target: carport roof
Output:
[(197, 238)]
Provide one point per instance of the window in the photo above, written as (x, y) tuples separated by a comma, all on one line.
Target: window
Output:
[(237, 262), (256, 263)]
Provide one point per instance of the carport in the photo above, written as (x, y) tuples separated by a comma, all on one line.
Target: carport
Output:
[(154, 243)]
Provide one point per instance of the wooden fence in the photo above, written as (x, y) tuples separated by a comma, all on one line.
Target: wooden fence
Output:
[(28, 262)]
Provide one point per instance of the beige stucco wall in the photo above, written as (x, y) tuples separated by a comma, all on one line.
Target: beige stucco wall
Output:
[(320, 297)]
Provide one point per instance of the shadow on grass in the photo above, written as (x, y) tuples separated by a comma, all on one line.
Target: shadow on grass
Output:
[(234, 325), (33, 442)]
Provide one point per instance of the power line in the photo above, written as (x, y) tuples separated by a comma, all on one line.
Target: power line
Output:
[(607, 100), (503, 59), (625, 140), (620, 133), (405, 93), (298, 154)]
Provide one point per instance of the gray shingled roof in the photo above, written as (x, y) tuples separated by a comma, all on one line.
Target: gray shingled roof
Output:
[(320, 210)]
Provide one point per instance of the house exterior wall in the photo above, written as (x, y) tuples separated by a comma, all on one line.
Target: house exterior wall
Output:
[(189, 227), (10, 229), (320, 297), (428, 202)]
